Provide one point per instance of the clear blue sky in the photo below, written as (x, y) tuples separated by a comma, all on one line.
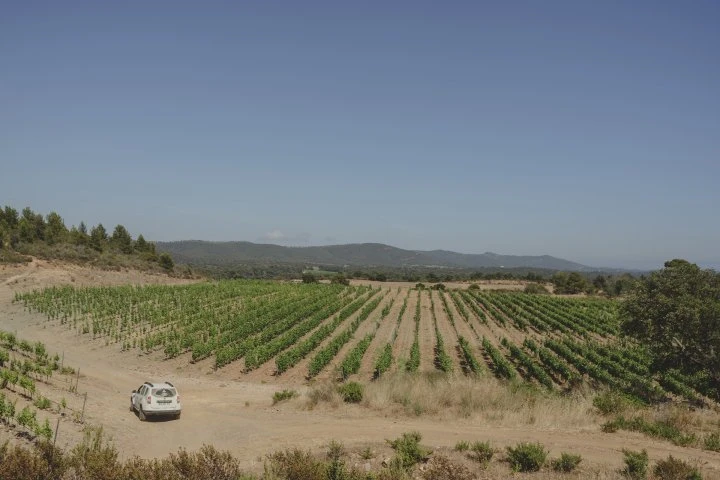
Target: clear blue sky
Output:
[(584, 130)]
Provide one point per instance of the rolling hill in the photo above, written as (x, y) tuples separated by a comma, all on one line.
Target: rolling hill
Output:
[(199, 252)]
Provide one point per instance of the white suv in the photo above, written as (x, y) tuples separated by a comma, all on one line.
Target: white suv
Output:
[(152, 399)]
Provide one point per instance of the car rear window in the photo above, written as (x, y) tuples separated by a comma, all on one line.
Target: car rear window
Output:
[(163, 392)]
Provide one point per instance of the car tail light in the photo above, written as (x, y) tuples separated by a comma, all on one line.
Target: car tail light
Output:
[(177, 399), (149, 399)]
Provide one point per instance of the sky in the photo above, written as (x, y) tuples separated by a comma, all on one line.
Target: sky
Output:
[(584, 130)]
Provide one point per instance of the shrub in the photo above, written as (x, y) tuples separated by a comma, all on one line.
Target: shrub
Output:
[(42, 403), (675, 469), (284, 395), (297, 464), (481, 452), (636, 464), (537, 289), (442, 468), (712, 442), (367, 453), (659, 429), (408, 450), (462, 446), (566, 463), (611, 403), (352, 392), (527, 457)]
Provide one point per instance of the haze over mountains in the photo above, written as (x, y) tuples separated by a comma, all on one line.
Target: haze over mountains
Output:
[(356, 254)]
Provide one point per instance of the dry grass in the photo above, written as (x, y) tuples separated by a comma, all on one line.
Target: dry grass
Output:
[(493, 401)]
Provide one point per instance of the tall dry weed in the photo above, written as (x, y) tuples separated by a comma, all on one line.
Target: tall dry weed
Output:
[(487, 398)]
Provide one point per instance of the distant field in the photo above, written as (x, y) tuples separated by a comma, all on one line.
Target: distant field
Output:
[(300, 331)]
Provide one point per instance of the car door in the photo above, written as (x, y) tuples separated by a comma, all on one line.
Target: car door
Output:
[(137, 398)]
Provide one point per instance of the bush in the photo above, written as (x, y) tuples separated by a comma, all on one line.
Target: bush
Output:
[(297, 464), (462, 446), (712, 442), (442, 468), (675, 469), (352, 392), (42, 403), (566, 463), (537, 289), (636, 464), (284, 395), (408, 450), (611, 403), (527, 457), (481, 452)]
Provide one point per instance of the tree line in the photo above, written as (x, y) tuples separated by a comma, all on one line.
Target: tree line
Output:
[(25, 231)]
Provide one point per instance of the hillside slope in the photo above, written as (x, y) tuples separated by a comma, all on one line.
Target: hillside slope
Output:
[(357, 254)]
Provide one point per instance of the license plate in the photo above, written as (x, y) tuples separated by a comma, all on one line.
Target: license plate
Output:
[(164, 401)]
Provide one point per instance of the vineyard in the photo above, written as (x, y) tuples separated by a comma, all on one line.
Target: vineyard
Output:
[(33, 381), (292, 330)]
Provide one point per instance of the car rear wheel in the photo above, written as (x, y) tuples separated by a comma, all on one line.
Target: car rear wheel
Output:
[(177, 416), (141, 414)]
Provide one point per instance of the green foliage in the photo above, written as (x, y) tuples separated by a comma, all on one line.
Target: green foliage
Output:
[(566, 463), (712, 442), (42, 403), (408, 450), (462, 446), (481, 452), (309, 278), (340, 279), (611, 402), (352, 392), (658, 429), (501, 367), (44, 430), (470, 363), (284, 395), (26, 418), (166, 262), (536, 289), (351, 364), (297, 464), (324, 356), (675, 469), (122, 240), (527, 457), (676, 313), (384, 361), (636, 464), (413, 362), (569, 283)]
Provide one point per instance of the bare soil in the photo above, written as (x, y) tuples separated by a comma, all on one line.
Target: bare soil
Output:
[(238, 415)]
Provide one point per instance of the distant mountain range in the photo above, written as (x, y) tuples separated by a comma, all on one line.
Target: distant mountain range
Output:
[(199, 252)]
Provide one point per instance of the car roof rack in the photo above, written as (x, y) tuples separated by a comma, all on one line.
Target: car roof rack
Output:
[(148, 383), (170, 384)]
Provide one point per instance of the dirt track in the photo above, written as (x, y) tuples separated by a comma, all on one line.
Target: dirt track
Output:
[(238, 416)]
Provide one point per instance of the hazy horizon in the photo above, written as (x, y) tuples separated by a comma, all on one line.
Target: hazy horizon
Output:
[(588, 132)]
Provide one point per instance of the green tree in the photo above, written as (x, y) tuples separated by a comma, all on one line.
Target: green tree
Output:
[(11, 217), (55, 229), (140, 244), (570, 283), (166, 262), (309, 278), (122, 240), (98, 237), (676, 313)]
